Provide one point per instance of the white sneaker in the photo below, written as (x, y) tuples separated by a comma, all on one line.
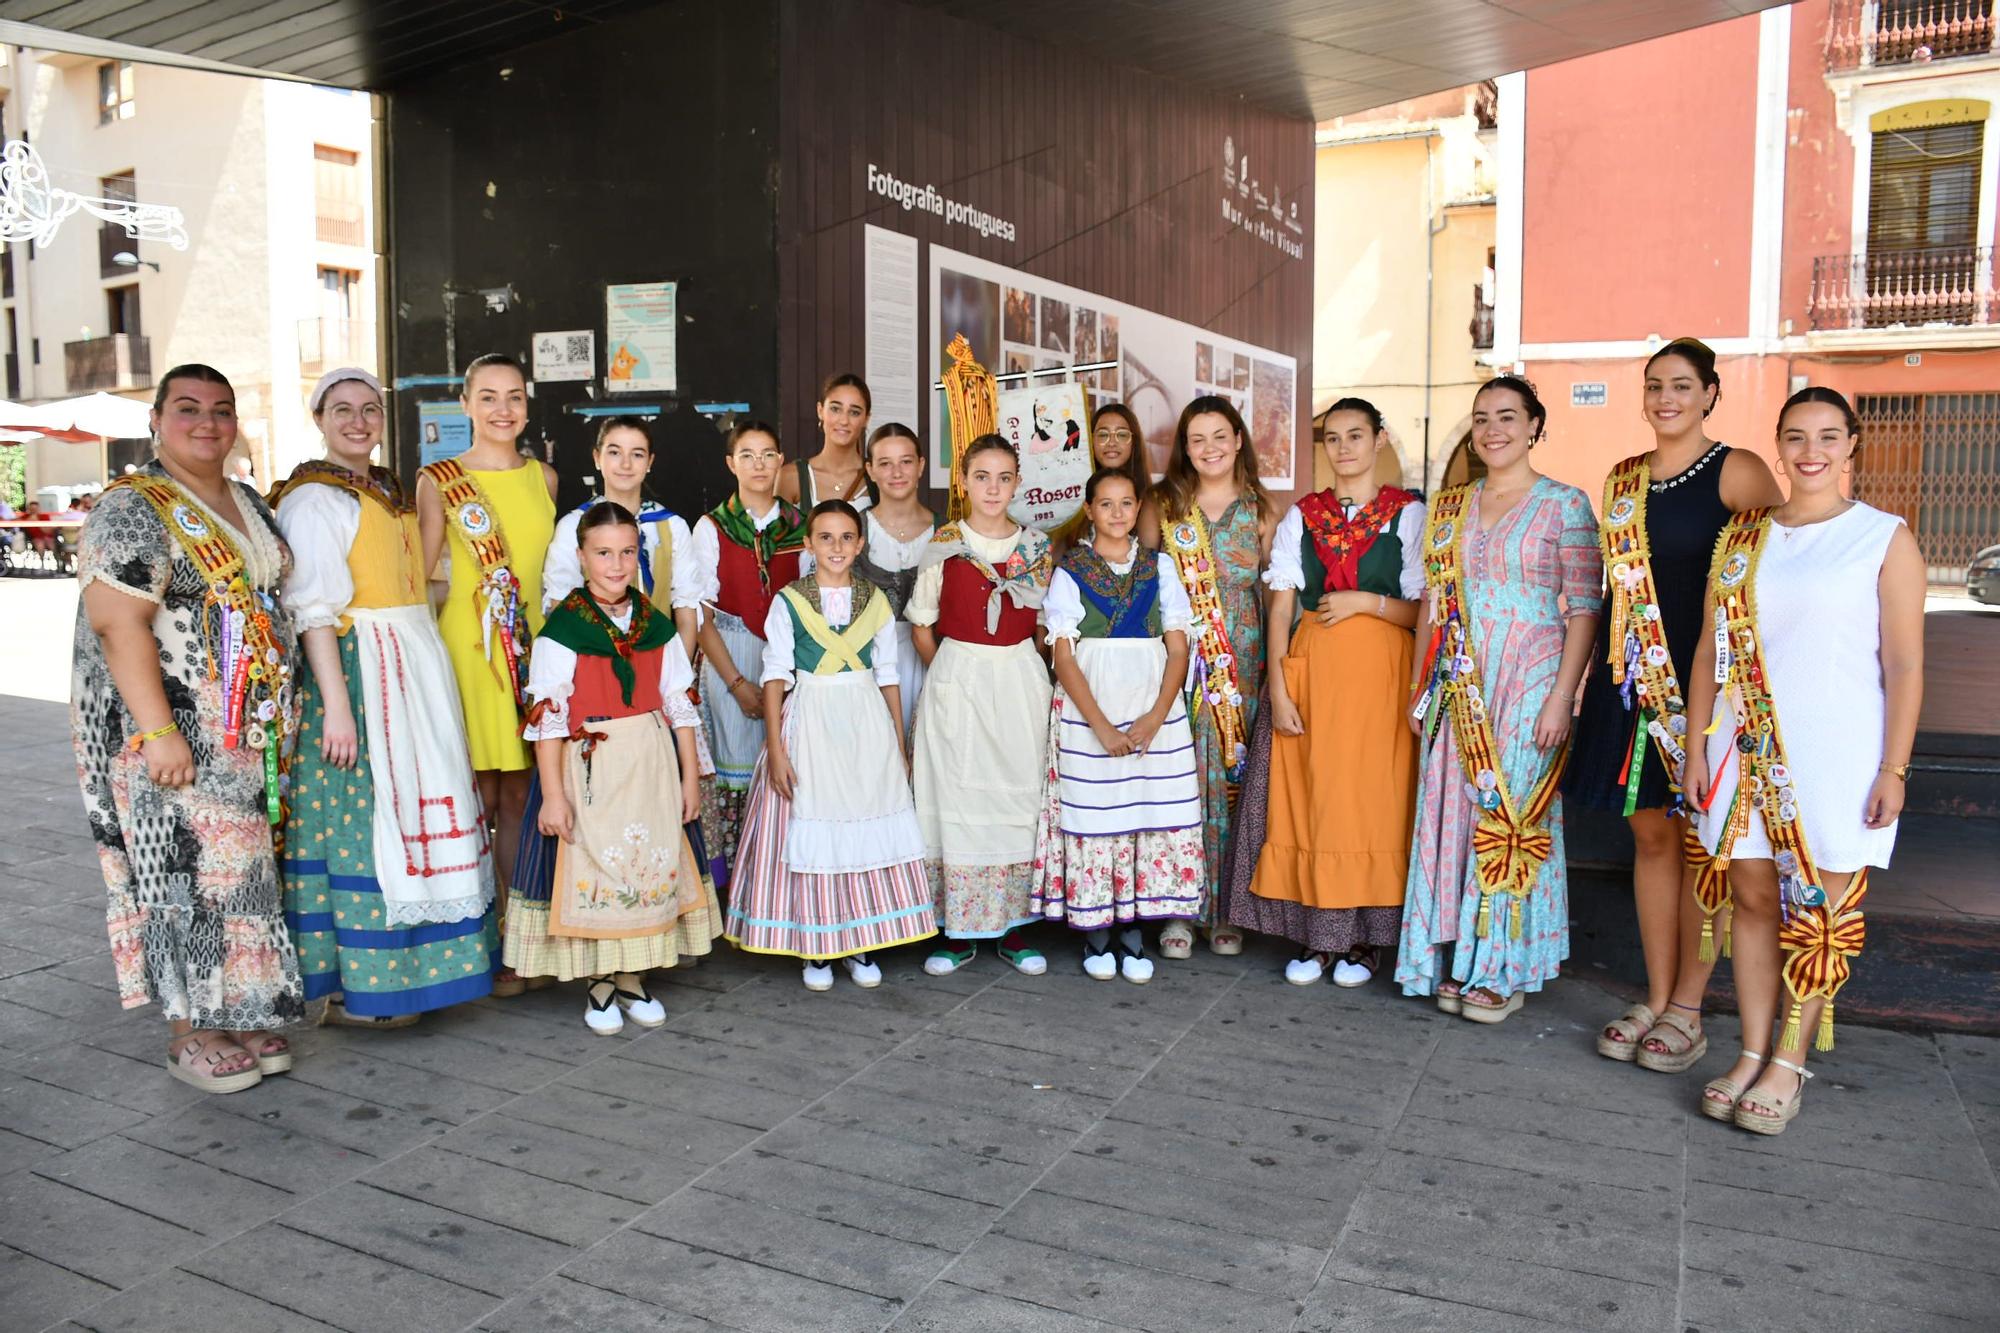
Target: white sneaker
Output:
[(819, 976), (1350, 975), (1136, 968), (1100, 966), (1306, 970), (863, 972)]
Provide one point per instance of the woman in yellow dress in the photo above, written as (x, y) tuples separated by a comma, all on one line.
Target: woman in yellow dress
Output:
[(497, 510)]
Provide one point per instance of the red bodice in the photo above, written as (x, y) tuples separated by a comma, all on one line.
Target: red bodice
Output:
[(741, 594), (597, 693), (962, 608)]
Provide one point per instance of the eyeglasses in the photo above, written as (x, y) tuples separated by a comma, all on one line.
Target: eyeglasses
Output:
[(1115, 435)]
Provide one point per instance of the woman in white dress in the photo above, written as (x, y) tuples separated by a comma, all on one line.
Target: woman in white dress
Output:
[(899, 527), (1812, 673)]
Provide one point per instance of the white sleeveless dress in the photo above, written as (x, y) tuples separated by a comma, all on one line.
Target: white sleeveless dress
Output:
[(1819, 619)]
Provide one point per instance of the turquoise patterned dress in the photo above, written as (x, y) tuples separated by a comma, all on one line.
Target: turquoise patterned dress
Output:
[(1523, 580)]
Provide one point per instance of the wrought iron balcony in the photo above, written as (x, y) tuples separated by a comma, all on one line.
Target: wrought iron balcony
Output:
[(119, 361), (1864, 34), (1946, 285)]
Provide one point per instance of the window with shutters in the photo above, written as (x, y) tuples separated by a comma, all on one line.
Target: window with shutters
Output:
[(1923, 217), (337, 194)]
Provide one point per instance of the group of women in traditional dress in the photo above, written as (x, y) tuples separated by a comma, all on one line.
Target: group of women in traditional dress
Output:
[(1347, 724)]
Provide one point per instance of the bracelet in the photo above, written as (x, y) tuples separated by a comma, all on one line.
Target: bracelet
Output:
[(1567, 696), (140, 740), (1900, 770), (738, 681)]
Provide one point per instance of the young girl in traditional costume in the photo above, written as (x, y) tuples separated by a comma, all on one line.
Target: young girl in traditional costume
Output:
[(832, 859), (739, 555), (839, 470), (623, 457), (981, 732), (614, 737), (1662, 512), (899, 528), (496, 511), (1324, 819), (1119, 840), (1212, 515), (1807, 688), (388, 866), (1514, 585)]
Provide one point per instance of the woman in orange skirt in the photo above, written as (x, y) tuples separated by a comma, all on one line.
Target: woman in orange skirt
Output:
[(1332, 772)]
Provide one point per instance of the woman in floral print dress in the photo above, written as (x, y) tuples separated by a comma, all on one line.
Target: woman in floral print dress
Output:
[(180, 798)]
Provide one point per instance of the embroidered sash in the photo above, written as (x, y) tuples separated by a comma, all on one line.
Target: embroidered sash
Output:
[(241, 648), (840, 649), (1341, 540), (1642, 665), (1216, 683), (1817, 936), (1126, 601), (1512, 840), (503, 621), (1023, 579)]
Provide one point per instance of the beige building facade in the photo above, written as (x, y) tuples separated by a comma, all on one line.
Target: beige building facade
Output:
[(1405, 212), (277, 282)]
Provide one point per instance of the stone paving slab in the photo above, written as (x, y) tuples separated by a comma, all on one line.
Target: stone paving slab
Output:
[(1217, 1150)]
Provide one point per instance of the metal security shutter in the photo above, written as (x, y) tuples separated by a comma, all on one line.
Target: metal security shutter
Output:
[(1923, 187)]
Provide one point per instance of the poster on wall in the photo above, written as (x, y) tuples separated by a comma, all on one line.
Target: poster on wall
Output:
[(1018, 322), (570, 354), (443, 430), (891, 360), (640, 325), (1049, 427)]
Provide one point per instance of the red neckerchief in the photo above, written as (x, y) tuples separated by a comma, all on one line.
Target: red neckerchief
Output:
[(1341, 540)]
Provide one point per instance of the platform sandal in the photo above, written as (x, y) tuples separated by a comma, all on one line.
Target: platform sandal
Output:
[(1723, 1108), (1669, 1061), (195, 1060), (1479, 1011), (1630, 1028), (1760, 1114), (272, 1052)]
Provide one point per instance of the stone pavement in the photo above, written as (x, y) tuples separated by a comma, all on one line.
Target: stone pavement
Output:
[(1217, 1150)]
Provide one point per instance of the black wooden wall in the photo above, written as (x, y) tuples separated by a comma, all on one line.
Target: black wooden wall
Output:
[(1113, 177), (639, 150)]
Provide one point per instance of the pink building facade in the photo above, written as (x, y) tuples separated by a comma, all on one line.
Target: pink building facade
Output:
[(1811, 190)]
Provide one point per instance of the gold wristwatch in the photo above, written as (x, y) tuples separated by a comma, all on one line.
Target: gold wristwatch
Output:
[(1900, 770)]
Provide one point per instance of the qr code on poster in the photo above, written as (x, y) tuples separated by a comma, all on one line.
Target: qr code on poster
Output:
[(576, 348)]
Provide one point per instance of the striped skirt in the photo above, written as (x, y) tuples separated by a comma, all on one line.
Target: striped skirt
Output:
[(854, 814), (333, 905)]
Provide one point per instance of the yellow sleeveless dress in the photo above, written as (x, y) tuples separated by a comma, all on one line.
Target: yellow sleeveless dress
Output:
[(527, 518)]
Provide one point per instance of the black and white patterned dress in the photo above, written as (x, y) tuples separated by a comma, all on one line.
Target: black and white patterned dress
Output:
[(195, 912)]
